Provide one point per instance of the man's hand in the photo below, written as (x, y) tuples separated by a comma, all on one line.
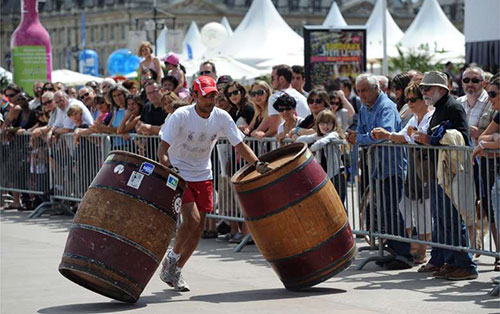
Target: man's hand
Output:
[(380, 134), (474, 132), (262, 167), (478, 152), (422, 138), (351, 136)]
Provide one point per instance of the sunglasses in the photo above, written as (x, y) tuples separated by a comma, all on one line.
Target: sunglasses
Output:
[(259, 92), (424, 88), (317, 101), (47, 102), (336, 103), (474, 80), (233, 93), (281, 109), (50, 89), (84, 95), (492, 94), (11, 95), (205, 72), (412, 100)]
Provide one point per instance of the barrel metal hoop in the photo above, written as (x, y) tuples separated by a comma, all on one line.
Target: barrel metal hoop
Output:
[(314, 248), (117, 237), (134, 196), (297, 201), (282, 178)]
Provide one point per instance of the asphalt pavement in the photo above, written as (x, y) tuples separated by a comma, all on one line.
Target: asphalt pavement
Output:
[(221, 281)]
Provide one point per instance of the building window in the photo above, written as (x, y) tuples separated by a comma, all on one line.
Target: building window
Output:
[(111, 32), (229, 3), (316, 5), (92, 34), (293, 5), (124, 32), (276, 3), (248, 3), (68, 37), (102, 32)]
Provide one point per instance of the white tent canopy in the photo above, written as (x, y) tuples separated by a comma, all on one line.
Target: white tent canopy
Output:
[(334, 18), (263, 34), (432, 27), (224, 65), (192, 46), (71, 78), (374, 33), (224, 21)]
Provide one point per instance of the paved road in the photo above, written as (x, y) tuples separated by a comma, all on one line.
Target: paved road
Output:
[(221, 282)]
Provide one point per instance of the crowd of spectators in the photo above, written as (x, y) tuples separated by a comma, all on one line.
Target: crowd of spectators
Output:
[(369, 110)]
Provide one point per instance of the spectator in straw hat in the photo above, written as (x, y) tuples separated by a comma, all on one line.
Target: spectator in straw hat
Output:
[(445, 264)]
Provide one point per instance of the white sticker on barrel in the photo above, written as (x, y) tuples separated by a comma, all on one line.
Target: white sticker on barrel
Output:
[(172, 182), (135, 180), (119, 169), (177, 204)]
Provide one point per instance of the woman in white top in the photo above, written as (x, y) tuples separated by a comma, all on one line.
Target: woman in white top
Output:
[(286, 105), (413, 207), (149, 62), (342, 108)]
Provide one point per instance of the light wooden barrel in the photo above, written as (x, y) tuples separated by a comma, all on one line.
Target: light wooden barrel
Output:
[(296, 217)]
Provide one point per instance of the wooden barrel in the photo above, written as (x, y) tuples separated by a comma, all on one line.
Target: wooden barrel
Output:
[(123, 226), (296, 217)]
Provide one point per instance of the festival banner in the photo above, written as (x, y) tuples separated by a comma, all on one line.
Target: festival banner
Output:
[(333, 54)]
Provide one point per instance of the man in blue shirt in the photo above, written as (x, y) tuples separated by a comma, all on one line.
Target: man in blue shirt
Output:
[(387, 163)]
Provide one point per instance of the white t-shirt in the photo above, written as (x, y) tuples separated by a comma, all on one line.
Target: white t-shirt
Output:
[(34, 103), (192, 138), (63, 121), (421, 127), (302, 108), (281, 127)]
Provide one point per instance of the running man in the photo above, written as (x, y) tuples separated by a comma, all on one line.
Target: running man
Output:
[(187, 140)]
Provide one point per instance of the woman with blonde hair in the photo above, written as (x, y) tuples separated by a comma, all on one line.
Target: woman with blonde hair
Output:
[(259, 126), (150, 63)]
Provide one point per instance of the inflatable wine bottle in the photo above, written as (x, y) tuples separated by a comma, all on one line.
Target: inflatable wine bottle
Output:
[(31, 50)]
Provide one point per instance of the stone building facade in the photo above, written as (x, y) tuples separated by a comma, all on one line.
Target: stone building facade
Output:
[(108, 22)]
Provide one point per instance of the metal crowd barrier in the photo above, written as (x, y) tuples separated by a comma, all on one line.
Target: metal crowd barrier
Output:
[(63, 170)]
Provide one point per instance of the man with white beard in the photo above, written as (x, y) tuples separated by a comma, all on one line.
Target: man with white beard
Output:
[(475, 102), (448, 226)]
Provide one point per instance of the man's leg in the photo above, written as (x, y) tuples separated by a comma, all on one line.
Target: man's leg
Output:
[(190, 230)]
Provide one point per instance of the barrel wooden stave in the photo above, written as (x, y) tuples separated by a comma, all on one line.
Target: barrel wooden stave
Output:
[(298, 228)]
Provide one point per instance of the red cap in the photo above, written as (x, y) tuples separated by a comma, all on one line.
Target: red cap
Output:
[(204, 85)]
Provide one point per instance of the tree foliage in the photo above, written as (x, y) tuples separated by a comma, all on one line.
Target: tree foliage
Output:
[(420, 59)]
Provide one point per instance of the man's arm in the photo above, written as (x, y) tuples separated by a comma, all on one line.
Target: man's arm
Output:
[(162, 153), (385, 121), (246, 152)]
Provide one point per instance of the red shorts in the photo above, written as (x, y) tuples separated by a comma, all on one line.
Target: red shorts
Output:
[(202, 194)]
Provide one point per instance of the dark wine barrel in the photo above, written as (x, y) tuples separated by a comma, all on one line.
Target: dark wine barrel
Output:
[(296, 217), (123, 226)]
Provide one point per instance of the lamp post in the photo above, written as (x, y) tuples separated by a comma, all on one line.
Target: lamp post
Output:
[(155, 12)]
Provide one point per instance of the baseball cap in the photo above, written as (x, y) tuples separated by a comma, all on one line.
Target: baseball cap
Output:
[(171, 58), (204, 85), (224, 79)]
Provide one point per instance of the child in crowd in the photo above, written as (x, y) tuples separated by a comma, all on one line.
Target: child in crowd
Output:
[(328, 129)]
